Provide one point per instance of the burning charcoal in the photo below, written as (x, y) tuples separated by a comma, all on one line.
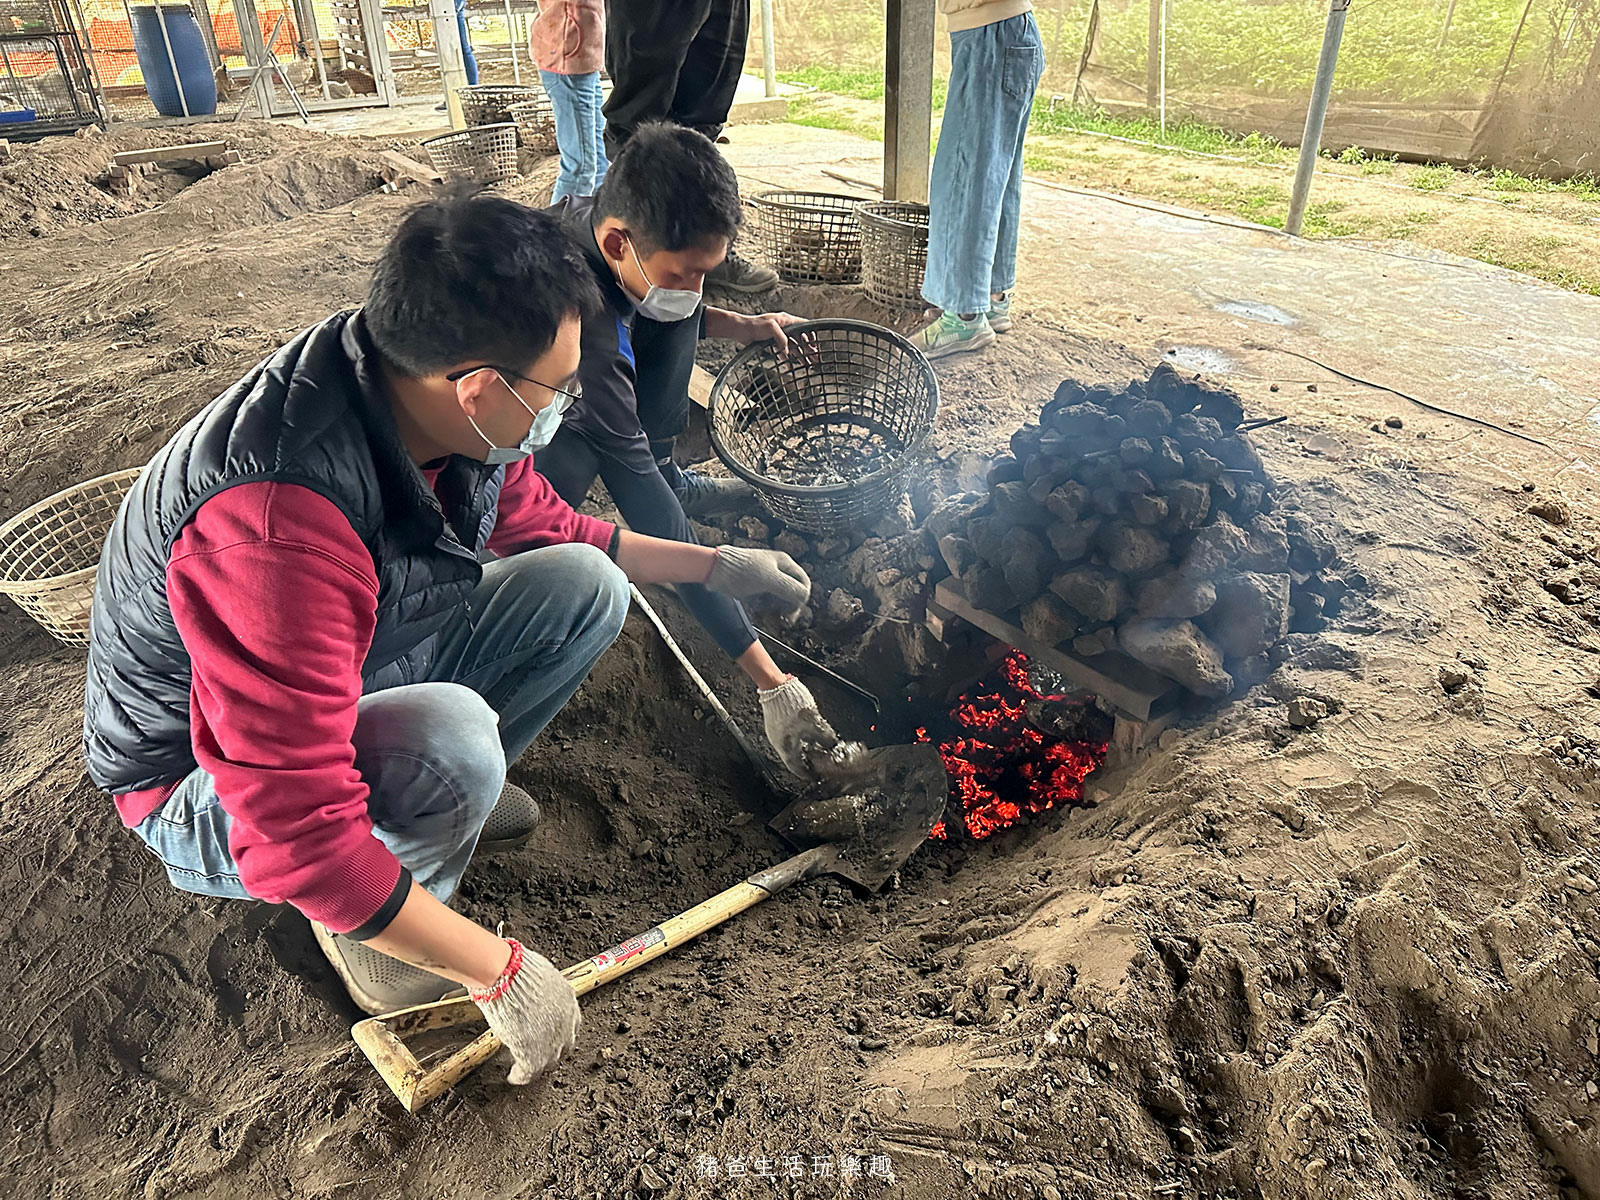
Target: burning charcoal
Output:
[(1149, 419), (1180, 651), (1135, 482), (1189, 504), (1193, 429), (1004, 469), (1013, 506), (1106, 500), (957, 553), (1170, 596), (1046, 619), (1310, 549), (1213, 549), (1071, 539), (1068, 501), (1168, 461), (1222, 407), (1095, 593), (1306, 610), (792, 544), (1306, 711), (1025, 442), (987, 589), (1135, 452), (986, 534), (1251, 614), (1096, 641), (1070, 392), (1266, 545), (1148, 509), (1204, 466), (842, 609), (1238, 453), (1132, 549), (1026, 562), (1081, 422)]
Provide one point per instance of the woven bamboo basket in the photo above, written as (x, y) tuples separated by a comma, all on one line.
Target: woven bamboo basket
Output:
[(894, 251), (49, 553), (487, 153), (490, 103), (536, 123), (810, 237)]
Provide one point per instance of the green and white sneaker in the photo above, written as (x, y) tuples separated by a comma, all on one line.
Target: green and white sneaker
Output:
[(1000, 314), (952, 335)]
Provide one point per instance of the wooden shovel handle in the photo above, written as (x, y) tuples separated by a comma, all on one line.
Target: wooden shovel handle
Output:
[(380, 1038)]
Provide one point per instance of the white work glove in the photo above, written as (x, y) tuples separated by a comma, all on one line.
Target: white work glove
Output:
[(745, 574), (795, 728), (532, 1009)]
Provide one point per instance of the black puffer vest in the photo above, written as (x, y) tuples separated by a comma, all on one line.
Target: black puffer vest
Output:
[(313, 414)]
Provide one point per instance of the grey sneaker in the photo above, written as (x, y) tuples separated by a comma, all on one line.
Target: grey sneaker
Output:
[(736, 273), (1000, 314), (377, 983), (703, 495), (511, 822)]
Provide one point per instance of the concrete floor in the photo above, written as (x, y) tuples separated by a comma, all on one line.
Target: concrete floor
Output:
[(1231, 298)]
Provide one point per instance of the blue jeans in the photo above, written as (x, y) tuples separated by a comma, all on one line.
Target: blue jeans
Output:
[(434, 754), (466, 42), (975, 199), (580, 132)]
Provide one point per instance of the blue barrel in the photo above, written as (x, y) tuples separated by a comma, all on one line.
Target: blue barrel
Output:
[(188, 51)]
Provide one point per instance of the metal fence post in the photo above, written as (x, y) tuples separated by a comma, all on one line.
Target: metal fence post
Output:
[(1316, 112), (769, 66)]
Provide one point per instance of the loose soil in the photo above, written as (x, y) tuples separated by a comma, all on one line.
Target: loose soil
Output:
[(1356, 960)]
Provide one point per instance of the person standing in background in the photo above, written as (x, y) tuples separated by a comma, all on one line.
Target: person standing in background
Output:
[(466, 43), (679, 61), (566, 43), (975, 201)]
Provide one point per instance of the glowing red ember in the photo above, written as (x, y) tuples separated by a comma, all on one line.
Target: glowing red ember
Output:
[(1002, 769)]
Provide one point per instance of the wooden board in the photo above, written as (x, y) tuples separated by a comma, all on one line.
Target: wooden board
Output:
[(1115, 678), (128, 158), (397, 166)]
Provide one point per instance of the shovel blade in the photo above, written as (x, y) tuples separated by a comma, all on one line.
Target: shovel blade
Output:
[(879, 809)]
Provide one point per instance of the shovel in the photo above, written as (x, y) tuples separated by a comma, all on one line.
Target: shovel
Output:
[(875, 810)]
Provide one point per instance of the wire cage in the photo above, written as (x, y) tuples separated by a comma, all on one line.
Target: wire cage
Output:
[(486, 153), (894, 251), (490, 103), (827, 433), (45, 83), (49, 553), (810, 237), (536, 123)]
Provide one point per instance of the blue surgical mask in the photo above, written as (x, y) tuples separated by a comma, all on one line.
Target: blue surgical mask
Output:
[(664, 304), (545, 423)]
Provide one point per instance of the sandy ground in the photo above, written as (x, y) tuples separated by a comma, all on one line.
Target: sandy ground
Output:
[(1352, 961)]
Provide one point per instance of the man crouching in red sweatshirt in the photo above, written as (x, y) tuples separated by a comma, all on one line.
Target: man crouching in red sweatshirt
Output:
[(304, 688)]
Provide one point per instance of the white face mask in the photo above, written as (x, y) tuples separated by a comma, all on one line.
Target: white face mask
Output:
[(545, 423), (664, 304)]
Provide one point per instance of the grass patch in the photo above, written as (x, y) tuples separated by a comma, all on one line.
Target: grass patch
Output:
[(1178, 135), (1432, 178), (860, 84), (805, 110), (1583, 187)]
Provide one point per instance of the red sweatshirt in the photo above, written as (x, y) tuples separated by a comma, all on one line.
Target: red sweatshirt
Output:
[(275, 598)]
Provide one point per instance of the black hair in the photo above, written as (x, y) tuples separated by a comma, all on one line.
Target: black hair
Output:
[(471, 277), (672, 188)]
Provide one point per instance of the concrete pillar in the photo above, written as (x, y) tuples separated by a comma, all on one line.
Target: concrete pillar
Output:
[(907, 99)]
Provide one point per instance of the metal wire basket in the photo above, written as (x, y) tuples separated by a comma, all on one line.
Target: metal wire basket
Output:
[(810, 237), (49, 553), (894, 251), (536, 123), (487, 153), (827, 433), (490, 103)]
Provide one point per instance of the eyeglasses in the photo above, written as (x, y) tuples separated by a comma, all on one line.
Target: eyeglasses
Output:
[(565, 398)]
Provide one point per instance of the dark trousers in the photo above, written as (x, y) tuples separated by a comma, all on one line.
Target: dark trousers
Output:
[(672, 60)]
